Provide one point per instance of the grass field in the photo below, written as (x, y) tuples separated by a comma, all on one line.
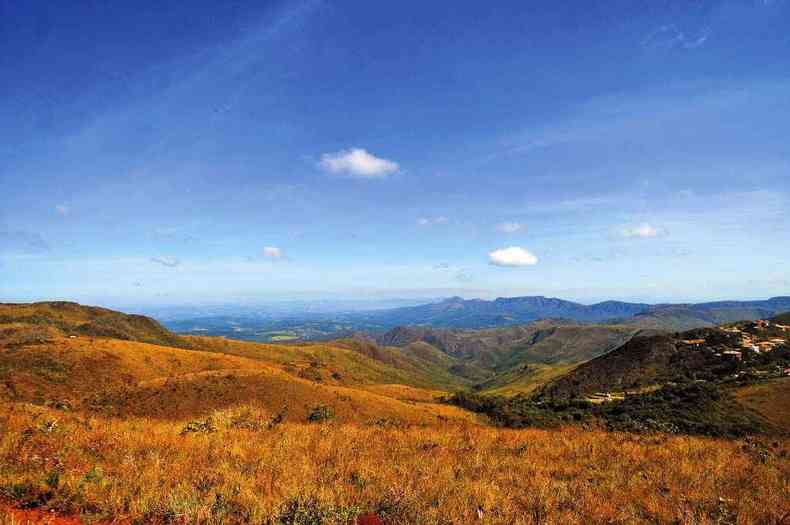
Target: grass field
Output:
[(240, 466)]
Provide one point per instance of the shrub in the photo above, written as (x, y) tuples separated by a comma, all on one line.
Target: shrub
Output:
[(205, 427), (277, 418), (309, 510), (320, 413)]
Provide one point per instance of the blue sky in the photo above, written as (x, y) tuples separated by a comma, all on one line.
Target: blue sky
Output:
[(191, 152)]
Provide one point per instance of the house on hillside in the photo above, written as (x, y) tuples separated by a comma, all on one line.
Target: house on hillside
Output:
[(693, 342), (732, 354)]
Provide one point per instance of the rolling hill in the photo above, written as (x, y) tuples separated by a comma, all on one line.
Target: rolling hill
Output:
[(46, 358), (38, 321), (512, 359), (713, 355)]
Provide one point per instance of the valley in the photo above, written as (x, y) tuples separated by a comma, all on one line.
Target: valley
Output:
[(459, 313)]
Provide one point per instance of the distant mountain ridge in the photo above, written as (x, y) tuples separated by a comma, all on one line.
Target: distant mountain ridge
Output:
[(456, 312)]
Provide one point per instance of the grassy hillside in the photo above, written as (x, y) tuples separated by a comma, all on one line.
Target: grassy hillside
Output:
[(124, 378), (643, 361), (241, 466), (735, 353), (567, 345), (356, 362), (771, 400), (523, 380), (21, 323)]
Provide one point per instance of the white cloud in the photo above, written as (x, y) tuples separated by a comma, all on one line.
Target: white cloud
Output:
[(430, 221), (271, 252), (357, 162), (512, 256), (62, 209), (642, 231), (170, 262), (510, 227)]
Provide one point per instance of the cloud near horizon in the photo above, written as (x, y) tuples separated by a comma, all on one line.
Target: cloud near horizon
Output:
[(170, 262), (642, 231), (358, 163), (512, 256)]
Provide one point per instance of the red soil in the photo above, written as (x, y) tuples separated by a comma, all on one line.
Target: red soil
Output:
[(32, 516)]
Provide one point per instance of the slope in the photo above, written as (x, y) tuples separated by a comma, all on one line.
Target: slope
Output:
[(128, 378), (20, 323), (732, 353), (771, 400), (513, 359)]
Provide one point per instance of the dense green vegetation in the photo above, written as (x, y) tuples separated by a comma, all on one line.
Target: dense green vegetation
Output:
[(691, 408)]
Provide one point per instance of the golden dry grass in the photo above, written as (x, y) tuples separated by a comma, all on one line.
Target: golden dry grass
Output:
[(770, 399), (147, 471), (528, 382), (407, 393), (125, 378), (166, 435)]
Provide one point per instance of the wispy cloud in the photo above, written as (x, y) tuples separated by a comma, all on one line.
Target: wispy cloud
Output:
[(358, 163), (511, 227), (513, 257), (165, 260), (432, 221)]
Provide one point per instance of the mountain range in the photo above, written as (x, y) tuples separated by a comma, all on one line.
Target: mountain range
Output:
[(472, 314), (456, 312)]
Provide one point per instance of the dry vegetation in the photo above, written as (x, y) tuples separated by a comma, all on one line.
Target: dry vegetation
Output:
[(771, 400), (101, 430), (241, 466)]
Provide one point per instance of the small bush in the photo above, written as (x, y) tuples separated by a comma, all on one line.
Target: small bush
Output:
[(320, 413), (309, 510), (277, 418), (204, 427)]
